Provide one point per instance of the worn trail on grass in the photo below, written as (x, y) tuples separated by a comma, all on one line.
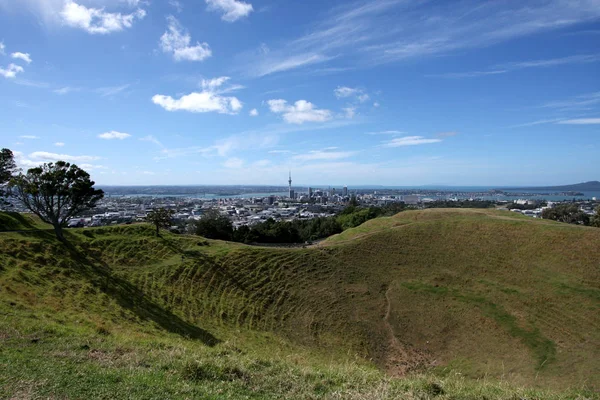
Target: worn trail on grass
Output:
[(401, 358)]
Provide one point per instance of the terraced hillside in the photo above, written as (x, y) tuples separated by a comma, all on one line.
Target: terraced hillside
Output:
[(499, 298)]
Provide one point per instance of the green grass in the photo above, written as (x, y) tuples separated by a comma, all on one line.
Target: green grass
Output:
[(477, 304), (10, 221)]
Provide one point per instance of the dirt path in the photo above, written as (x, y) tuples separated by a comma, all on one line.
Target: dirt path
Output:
[(400, 358)]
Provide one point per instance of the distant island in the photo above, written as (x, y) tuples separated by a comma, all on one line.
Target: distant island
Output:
[(591, 186)]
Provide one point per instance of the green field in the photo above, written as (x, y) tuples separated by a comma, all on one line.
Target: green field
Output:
[(445, 304)]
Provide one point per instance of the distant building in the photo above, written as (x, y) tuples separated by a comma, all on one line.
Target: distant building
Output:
[(291, 192), (411, 199), (310, 192), (345, 191)]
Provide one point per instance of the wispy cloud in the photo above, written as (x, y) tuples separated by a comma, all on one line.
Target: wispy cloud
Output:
[(446, 134), (30, 137), (47, 156), (364, 33), (538, 122), (65, 90), (581, 102), (580, 121), (513, 66), (390, 132), (112, 90), (325, 154), (409, 141), (152, 139)]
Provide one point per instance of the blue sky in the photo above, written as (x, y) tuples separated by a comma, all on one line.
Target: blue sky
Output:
[(388, 92)]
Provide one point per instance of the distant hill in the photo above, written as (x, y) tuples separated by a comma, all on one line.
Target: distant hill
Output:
[(462, 304), (591, 186)]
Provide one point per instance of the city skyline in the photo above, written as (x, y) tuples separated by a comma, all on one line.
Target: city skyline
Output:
[(359, 93)]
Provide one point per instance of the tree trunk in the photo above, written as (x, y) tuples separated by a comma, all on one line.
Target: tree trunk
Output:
[(59, 232)]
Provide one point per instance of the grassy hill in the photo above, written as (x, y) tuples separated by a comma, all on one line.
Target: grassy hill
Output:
[(425, 304)]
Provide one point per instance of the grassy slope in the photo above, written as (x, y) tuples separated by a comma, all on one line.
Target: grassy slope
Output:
[(495, 296), (11, 221)]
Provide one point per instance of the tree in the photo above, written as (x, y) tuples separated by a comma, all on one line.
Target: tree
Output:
[(56, 192), (7, 168), (569, 213), (160, 218), (213, 225), (595, 221)]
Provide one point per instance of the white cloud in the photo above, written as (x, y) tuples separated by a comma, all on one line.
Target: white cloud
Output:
[(410, 141), (96, 20), (22, 56), (59, 144), (2, 47), (253, 112), (208, 100), (11, 71), (29, 137), (114, 135), (280, 151), (233, 162), (376, 104), (46, 156), (325, 154), (177, 41), (232, 9), (302, 111), (214, 83), (581, 121), (344, 91)]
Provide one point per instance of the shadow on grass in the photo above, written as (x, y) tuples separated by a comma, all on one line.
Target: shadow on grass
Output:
[(11, 221), (130, 297)]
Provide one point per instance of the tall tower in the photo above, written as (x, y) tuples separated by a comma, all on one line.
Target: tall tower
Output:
[(291, 192)]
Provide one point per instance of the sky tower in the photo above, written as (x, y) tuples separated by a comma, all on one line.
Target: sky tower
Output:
[(291, 192)]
